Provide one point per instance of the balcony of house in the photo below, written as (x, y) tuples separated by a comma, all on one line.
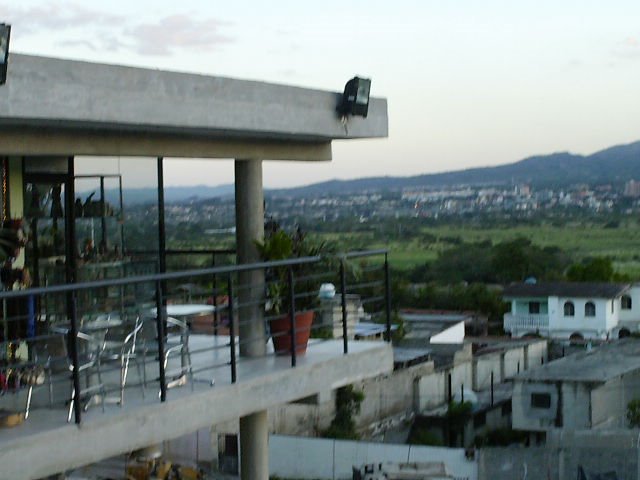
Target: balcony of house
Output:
[(522, 323), (92, 370)]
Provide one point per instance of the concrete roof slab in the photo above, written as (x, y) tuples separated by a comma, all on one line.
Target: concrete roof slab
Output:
[(64, 94)]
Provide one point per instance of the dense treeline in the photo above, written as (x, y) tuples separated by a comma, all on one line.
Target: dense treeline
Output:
[(509, 261)]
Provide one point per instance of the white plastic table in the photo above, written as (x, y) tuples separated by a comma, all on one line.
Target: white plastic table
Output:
[(187, 310)]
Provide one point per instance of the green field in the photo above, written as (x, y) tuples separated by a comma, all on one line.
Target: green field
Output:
[(579, 240)]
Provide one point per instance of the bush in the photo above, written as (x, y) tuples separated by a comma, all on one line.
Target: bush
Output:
[(421, 436), (343, 426)]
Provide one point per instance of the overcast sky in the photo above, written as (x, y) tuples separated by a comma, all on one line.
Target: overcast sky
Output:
[(469, 83)]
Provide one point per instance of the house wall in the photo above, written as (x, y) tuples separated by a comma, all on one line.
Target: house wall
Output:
[(576, 405), (524, 416), (589, 327), (613, 313), (537, 354), (514, 362), (482, 368), (609, 401), (433, 389), (521, 305), (632, 315), (569, 407)]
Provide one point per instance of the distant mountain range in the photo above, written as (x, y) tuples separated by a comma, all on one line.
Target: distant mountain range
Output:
[(612, 165)]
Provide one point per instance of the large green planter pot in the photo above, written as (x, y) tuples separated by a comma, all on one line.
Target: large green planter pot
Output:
[(281, 333)]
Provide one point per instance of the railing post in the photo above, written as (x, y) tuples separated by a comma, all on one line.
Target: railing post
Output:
[(343, 300), (216, 315), (232, 329), (73, 347), (292, 315), (160, 323), (387, 286)]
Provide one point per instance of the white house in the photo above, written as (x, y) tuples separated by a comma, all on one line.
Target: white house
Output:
[(572, 310)]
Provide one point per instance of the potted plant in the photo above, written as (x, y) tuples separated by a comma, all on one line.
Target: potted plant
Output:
[(281, 245)]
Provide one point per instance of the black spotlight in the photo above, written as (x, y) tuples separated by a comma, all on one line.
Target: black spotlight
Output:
[(355, 100), (5, 33)]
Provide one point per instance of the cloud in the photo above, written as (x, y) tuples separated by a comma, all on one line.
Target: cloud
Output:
[(57, 16), (177, 32), (100, 43), (69, 23)]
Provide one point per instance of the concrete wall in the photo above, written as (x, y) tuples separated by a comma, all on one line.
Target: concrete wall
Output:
[(524, 416), (609, 401), (389, 395), (333, 459), (604, 452), (406, 391), (514, 362), (576, 406), (483, 366), (432, 390), (505, 364), (537, 354)]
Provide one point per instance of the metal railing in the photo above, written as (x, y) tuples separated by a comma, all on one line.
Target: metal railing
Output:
[(72, 345)]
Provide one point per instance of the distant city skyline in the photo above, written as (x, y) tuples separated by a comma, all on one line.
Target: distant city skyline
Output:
[(469, 83)]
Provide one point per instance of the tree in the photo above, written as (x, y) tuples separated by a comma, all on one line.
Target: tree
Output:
[(596, 269)]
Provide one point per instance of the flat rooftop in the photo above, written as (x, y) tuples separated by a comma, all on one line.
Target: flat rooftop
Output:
[(597, 365), (145, 111)]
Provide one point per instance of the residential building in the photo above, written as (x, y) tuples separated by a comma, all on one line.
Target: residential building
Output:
[(587, 390), (61, 118), (576, 311)]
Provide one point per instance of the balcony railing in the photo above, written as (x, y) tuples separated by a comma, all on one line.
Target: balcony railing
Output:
[(525, 321), (99, 342)]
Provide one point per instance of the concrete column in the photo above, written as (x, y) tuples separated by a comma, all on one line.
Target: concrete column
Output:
[(254, 447), (249, 228), (254, 431)]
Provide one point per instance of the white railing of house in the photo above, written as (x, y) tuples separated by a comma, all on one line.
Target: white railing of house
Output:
[(525, 321)]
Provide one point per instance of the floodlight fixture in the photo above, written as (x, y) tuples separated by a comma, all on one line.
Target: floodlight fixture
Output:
[(355, 100), (5, 34)]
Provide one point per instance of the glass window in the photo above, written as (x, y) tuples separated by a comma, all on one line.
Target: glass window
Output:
[(540, 400), (569, 309), (625, 302), (589, 309), (534, 307)]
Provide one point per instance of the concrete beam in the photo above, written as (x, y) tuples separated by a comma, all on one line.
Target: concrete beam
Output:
[(53, 93), (49, 141), (52, 451)]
